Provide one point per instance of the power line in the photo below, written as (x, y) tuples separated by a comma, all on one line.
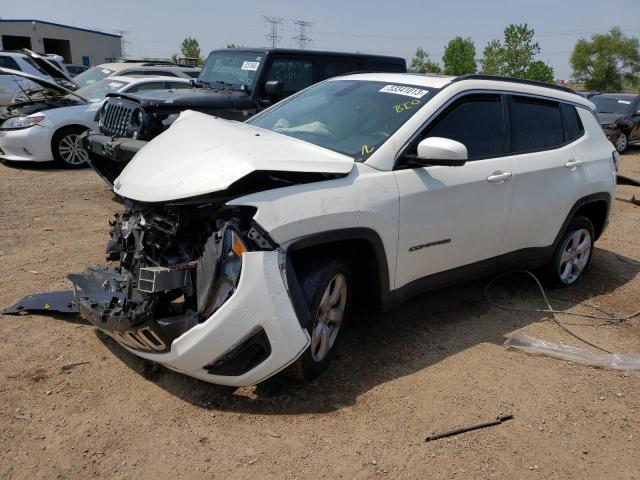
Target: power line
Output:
[(302, 39), (273, 35)]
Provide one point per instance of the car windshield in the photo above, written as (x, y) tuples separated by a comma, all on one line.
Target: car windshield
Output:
[(92, 75), (612, 105), (96, 92), (230, 68), (352, 117)]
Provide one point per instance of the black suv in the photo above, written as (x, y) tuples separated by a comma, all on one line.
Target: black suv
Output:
[(234, 84)]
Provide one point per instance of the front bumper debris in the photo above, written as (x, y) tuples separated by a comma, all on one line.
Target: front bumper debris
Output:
[(109, 155)]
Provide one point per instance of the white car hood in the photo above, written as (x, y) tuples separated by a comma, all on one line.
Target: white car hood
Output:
[(201, 154)]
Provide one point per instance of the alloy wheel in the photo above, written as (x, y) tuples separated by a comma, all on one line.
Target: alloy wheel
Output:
[(575, 256), (329, 317), (621, 144), (71, 150)]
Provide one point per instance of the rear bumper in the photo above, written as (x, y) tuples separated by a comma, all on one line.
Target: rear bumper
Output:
[(31, 144), (261, 303), (109, 155)]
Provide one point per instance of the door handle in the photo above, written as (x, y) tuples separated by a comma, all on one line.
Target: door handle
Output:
[(500, 177), (571, 164)]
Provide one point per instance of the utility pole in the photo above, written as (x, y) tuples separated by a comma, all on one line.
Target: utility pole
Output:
[(302, 39), (273, 35)]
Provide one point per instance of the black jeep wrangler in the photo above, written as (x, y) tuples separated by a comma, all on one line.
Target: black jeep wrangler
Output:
[(234, 84)]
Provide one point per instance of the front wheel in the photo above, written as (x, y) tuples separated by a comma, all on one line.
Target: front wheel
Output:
[(327, 288), (573, 254), (622, 142), (67, 149)]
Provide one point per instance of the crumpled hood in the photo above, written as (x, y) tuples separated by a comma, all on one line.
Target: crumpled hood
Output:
[(201, 154)]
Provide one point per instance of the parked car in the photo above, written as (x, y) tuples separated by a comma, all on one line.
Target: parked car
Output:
[(234, 84), (46, 125), (32, 64), (243, 245), (134, 69), (76, 69), (619, 114)]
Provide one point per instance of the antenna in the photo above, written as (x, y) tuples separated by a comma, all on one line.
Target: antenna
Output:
[(273, 35), (124, 43), (302, 39)]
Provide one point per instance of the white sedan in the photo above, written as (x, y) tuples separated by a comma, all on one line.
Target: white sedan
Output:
[(46, 124)]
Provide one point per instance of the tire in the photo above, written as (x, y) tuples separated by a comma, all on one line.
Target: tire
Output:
[(327, 287), (622, 143), (572, 255), (66, 148)]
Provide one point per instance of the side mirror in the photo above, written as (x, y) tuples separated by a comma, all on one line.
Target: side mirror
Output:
[(440, 151), (274, 88)]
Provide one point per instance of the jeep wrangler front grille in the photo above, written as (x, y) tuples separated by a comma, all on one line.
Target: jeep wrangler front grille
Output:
[(116, 118)]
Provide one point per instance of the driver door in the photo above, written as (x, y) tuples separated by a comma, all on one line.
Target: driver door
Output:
[(296, 73), (454, 217)]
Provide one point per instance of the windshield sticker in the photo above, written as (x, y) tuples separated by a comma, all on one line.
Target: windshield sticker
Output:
[(366, 149), (401, 107), (626, 102), (104, 70), (252, 66), (402, 90), (115, 85)]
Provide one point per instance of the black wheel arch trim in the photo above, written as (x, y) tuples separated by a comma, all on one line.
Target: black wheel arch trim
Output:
[(331, 236)]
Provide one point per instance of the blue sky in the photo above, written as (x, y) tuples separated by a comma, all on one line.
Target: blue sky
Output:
[(395, 28)]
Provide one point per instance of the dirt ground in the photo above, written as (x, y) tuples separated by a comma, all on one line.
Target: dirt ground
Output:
[(435, 364)]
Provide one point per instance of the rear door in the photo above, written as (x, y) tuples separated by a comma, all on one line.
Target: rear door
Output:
[(552, 166), (334, 66), (456, 216)]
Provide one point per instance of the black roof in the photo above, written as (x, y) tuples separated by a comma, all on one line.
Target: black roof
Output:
[(296, 51)]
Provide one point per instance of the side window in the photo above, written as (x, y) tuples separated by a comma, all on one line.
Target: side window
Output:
[(572, 124), (176, 85), (535, 124), (296, 74), (160, 73), (386, 67), (476, 121), (339, 66), (141, 87), (8, 62), (131, 73)]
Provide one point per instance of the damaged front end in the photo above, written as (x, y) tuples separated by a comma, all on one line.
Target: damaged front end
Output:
[(176, 265)]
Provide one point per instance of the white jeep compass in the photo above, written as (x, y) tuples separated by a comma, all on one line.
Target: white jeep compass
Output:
[(243, 245)]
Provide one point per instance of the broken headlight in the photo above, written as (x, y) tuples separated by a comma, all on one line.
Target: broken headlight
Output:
[(227, 271), (17, 123)]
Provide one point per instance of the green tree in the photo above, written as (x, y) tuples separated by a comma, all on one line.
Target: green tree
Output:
[(421, 63), (191, 48), (460, 57), (515, 56), (608, 61), (540, 71), (232, 45)]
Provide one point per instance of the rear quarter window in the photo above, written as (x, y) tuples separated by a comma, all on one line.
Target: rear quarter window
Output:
[(536, 124), (572, 123), (8, 62)]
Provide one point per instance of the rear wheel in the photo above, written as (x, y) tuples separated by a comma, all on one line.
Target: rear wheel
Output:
[(327, 288), (573, 254), (67, 149)]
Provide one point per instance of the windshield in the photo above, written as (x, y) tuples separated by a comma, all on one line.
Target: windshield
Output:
[(612, 105), (231, 68), (96, 92), (91, 76), (352, 117)]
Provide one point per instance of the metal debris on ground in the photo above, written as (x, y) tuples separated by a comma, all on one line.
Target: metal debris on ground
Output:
[(499, 419)]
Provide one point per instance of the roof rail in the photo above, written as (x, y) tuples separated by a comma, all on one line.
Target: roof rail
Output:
[(480, 76), (147, 63)]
